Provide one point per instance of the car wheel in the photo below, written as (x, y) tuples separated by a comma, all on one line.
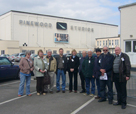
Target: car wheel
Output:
[(18, 75)]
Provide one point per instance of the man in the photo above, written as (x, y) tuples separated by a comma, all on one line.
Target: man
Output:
[(106, 65), (51, 70), (61, 70), (121, 74), (87, 69), (97, 72), (81, 73)]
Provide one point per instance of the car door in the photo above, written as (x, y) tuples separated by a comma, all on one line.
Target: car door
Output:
[(4, 68)]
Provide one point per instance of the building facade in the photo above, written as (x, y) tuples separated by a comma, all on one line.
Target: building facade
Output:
[(37, 31), (128, 31), (110, 42)]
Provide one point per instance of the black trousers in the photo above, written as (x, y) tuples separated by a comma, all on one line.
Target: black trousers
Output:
[(109, 84), (40, 85), (71, 74), (82, 81), (121, 90)]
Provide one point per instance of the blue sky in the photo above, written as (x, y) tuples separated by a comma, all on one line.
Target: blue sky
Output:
[(105, 11)]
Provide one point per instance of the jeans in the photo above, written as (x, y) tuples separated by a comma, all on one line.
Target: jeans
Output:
[(22, 82), (87, 80), (98, 87), (61, 72), (103, 84)]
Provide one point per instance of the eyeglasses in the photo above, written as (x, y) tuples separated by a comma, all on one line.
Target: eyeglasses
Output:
[(105, 50)]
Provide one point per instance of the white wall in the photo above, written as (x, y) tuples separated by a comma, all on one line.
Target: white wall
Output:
[(44, 36), (128, 27), (5, 26)]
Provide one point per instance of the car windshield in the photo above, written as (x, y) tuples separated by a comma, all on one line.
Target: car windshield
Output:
[(4, 61), (15, 54)]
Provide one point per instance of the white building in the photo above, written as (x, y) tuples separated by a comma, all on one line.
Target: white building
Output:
[(38, 31), (128, 31)]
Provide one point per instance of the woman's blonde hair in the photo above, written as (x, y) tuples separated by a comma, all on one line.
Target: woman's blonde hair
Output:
[(73, 51), (39, 51)]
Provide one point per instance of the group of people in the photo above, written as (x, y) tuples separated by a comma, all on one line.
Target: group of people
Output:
[(104, 69)]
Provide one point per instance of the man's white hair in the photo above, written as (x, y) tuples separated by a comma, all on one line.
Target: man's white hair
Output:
[(49, 50), (106, 47)]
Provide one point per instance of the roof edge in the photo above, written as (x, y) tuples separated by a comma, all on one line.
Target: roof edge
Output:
[(108, 37), (59, 17), (127, 5)]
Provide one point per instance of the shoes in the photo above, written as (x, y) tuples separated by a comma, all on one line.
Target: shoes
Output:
[(116, 104), (29, 95), (123, 106), (92, 95), (38, 94), (101, 100), (57, 91), (75, 91), (97, 97), (51, 92), (19, 95), (86, 94), (70, 91), (82, 91), (110, 101), (63, 91), (44, 93)]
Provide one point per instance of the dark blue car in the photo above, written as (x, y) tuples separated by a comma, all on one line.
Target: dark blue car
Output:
[(8, 70)]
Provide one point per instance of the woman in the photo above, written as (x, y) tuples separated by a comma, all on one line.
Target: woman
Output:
[(26, 66), (41, 66), (73, 64)]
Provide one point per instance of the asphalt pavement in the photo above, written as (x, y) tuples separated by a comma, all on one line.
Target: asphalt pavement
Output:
[(57, 103)]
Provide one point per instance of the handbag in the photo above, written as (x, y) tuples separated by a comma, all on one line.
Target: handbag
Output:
[(31, 72), (46, 80)]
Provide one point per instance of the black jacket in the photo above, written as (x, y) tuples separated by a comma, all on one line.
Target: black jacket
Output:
[(73, 63), (106, 62), (97, 72), (65, 63), (124, 68)]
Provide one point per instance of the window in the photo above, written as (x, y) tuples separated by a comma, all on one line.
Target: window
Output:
[(112, 42), (100, 43), (103, 42), (128, 46), (2, 52), (23, 51), (109, 42), (97, 43), (68, 52), (4, 61), (32, 51), (116, 42), (80, 52), (106, 42), (134, 46), (54, 51)]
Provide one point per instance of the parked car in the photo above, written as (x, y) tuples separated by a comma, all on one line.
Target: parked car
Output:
[(18, 58), (55, 55), (8, 70), (14, 56), (33, 56), (5, 55)]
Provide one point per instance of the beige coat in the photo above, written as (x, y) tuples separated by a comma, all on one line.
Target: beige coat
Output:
[(38, 65), (52, 65)]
